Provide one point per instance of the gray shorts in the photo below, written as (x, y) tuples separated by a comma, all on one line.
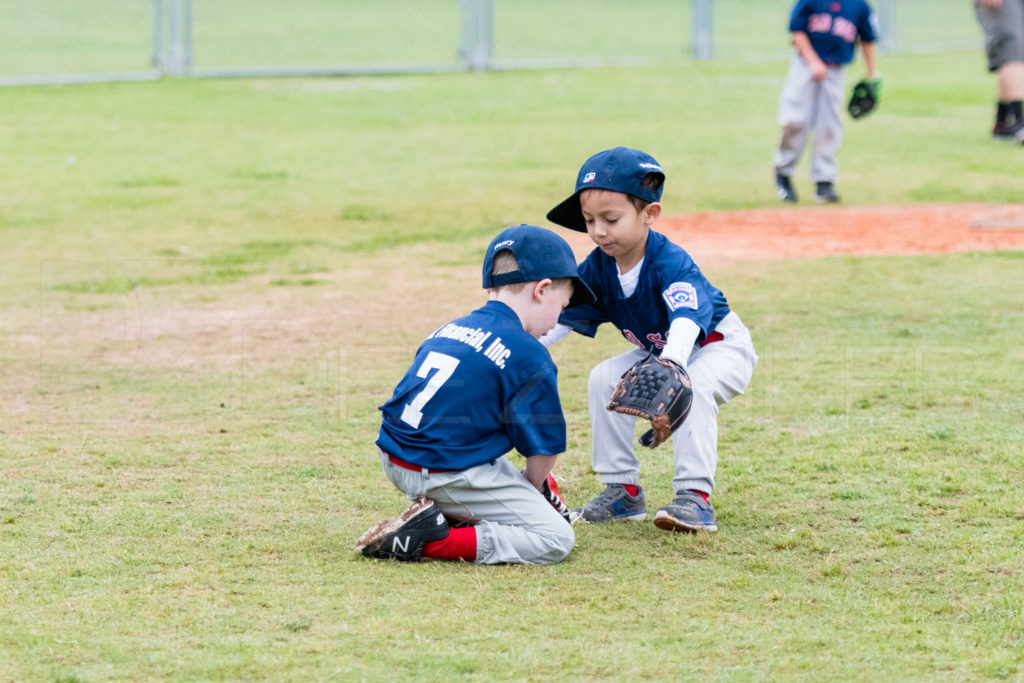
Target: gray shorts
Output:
[(1004, 32)]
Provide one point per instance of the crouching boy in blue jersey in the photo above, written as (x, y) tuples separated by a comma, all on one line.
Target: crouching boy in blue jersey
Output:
[(479, 387), (656, 295)]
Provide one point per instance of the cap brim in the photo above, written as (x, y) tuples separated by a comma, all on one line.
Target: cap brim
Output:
[(568, 214), (581, 294)]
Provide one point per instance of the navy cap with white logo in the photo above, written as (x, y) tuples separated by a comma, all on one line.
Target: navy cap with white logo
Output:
[(540, 254), (621, 170)]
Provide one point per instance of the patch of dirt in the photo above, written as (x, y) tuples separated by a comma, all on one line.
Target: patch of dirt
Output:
[(726, 236), (339, 335)]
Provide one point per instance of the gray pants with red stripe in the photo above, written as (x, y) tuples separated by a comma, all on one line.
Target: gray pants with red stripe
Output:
[(513, 521), (808, 106)]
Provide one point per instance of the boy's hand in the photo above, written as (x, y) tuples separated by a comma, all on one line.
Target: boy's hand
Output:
[(803, 45), (818, 70)]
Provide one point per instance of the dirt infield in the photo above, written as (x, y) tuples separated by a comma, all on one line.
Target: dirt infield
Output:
[(252, 327), (808, 232)]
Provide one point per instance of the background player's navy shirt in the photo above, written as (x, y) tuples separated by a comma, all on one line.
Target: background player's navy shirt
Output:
[(670, 286), (833, 26), (479, 387)]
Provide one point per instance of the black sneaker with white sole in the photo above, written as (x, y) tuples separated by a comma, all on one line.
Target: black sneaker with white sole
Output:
[(403, 539), (825, 193), (1009, 132), (784, 188)]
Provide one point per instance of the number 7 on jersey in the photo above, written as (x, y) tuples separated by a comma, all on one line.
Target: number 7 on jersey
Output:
[(444, 365)]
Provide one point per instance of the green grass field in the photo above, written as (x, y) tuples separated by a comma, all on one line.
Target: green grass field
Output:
[(209, 286), (70, 37)]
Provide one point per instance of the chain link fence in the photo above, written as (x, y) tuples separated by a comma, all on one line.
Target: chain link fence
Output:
[(59, 41)]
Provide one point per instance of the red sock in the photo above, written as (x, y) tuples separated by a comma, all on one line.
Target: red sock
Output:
[(632, 489), (701, 494), (459, 544)]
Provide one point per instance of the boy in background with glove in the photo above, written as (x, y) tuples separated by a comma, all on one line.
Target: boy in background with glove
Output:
[(824, 33), (657, 297), (479, 387)]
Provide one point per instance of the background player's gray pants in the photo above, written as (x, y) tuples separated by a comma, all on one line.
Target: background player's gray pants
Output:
[(807, 105), (513, 521), (1004, 32), (719, 372)]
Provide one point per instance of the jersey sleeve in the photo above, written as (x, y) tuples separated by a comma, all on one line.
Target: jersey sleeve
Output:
[(533, 417), (586, 319), (798, 18), (867, 28), (685, 295)]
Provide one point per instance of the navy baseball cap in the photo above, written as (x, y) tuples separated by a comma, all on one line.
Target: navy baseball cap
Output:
[(540, 254), (620, 169)]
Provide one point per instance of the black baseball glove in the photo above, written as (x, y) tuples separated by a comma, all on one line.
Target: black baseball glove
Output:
[(658, 390), (865, 97)]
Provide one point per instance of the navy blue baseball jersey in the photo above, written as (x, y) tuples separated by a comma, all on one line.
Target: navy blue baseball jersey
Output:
[(479, 387), (670, 286), (833, 26)]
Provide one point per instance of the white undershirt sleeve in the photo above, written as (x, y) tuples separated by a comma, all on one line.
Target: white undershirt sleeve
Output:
[(682, 335), (556, 333)]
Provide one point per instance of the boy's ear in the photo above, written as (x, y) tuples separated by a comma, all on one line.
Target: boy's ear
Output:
[(651, 212), (540, 288)]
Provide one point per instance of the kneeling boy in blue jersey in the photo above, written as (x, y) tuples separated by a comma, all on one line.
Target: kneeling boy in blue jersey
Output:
[(655, 294), (479, 387)]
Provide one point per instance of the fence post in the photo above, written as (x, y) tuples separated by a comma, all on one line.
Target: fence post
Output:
[(476, 37), (173, 56), (171, 53), (887, 26), (157, 58), (703, 40), (186, 51)]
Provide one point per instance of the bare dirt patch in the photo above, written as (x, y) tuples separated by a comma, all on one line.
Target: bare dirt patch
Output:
[(377, 307), (808, 232)]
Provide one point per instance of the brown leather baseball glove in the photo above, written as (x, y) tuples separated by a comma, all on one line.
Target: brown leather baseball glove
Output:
[(656, 389)]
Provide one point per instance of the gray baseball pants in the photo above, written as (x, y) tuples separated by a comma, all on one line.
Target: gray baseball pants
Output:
[(513, 521), (806, 106), (1004, 32), (719, 372)]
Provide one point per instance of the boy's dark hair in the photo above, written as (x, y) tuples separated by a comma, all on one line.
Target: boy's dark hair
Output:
[(652, 181)]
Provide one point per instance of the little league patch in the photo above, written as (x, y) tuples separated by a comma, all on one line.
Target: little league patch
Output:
[(680, 295)]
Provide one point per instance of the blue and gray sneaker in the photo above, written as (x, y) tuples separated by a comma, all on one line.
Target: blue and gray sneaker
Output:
[(688, 512), (614, 504)]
